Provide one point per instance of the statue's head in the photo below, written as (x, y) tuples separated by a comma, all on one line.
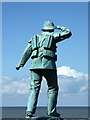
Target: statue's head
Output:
[(48, 26)]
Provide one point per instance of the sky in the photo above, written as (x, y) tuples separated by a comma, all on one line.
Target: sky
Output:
[(20, 22)]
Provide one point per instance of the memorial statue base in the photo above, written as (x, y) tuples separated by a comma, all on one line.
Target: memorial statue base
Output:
[(45, 118)]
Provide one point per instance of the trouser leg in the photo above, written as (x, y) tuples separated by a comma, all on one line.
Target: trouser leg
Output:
[(35, 83), (51, 77)]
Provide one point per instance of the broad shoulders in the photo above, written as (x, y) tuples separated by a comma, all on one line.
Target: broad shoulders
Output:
[(53, 34)]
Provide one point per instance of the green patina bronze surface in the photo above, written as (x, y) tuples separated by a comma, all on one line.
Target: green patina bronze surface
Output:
[(42, 50)]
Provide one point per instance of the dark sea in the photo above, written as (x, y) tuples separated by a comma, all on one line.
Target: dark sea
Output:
[(66, 112)]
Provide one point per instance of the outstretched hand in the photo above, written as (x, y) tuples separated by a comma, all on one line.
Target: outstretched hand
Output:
[(18, 67)]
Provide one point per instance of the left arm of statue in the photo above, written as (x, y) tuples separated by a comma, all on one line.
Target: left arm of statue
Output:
[(64, 34), (25, 57)]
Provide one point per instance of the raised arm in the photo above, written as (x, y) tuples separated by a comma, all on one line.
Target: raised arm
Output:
[(64, 34), (25, 57)]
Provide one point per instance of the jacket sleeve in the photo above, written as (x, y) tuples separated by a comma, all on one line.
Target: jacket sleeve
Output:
[(64, 34), (26, 55)]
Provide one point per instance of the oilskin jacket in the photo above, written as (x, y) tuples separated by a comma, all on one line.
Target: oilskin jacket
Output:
[(42, 49), (48, 46)]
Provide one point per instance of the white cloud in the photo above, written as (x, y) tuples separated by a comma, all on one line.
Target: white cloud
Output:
[(67, 71), (13, 86), (83, 89), (69, 80)]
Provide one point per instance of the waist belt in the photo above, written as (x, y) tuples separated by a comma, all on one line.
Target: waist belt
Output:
[(42, 48)]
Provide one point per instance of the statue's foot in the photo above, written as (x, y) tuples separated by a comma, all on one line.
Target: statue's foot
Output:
[(54, 115), (29, 115)]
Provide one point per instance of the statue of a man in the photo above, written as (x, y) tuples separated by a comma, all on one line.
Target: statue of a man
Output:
[(42, 48)]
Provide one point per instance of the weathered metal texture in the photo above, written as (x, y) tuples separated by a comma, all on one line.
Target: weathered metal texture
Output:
[(42, 50)]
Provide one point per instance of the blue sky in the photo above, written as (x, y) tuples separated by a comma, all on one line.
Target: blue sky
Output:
[(22, 20)]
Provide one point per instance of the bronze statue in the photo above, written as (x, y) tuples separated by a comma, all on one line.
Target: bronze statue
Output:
[(42, 48)]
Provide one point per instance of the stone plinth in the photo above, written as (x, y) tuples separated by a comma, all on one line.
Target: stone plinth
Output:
[(45, 118), (34, 118)]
